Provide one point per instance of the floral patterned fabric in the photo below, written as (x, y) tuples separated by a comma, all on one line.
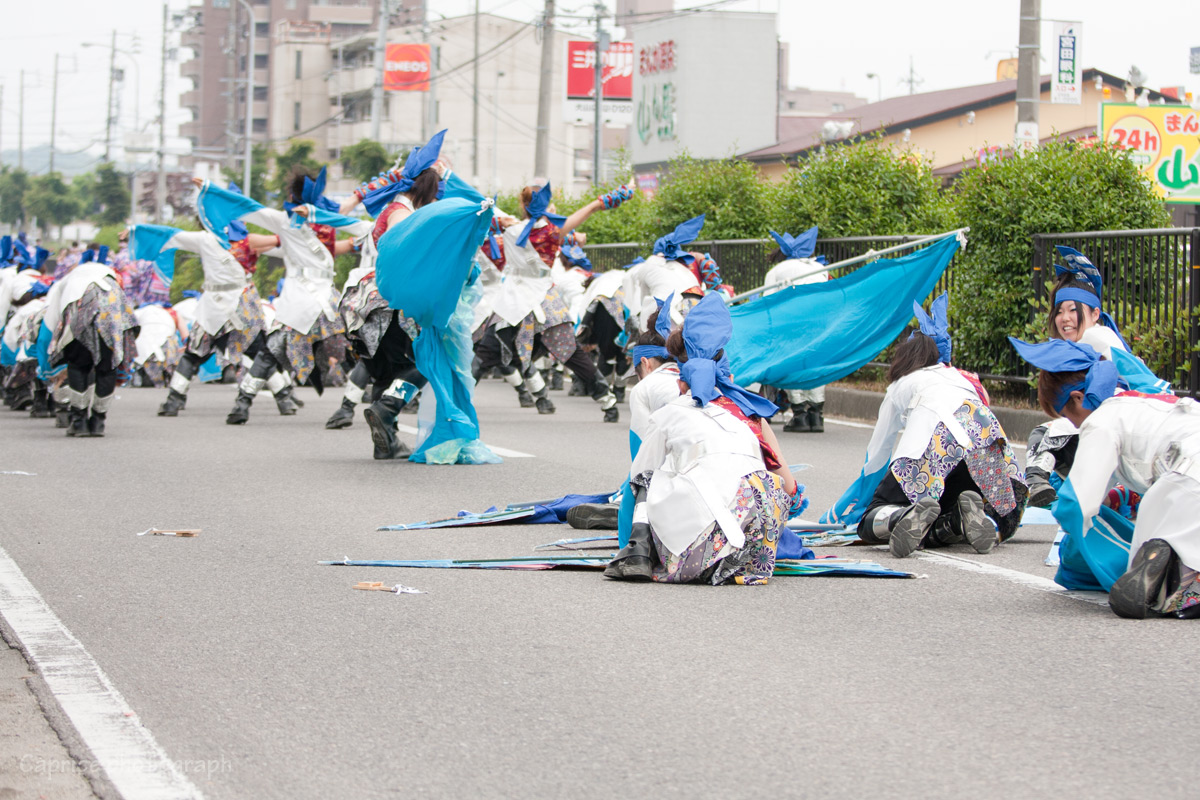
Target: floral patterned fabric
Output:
[(139, 280), (100, 314), (1186, 595), (367, 315), (240, 331), (557, 332), (159, 371), (990, 461), (761, 506), (547, 241), (295, 349)]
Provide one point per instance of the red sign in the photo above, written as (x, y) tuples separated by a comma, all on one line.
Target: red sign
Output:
[(616, 72), (406, 68), (657, 58)]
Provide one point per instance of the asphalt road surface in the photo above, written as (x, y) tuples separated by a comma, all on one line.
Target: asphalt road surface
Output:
[(238, 652)]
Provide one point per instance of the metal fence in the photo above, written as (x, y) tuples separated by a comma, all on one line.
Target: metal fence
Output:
[(1151, 289)]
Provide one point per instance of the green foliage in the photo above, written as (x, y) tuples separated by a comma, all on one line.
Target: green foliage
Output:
[(365, 160), (108, 235), (50, 200), (83, 192), (299, 153), (1058, 188), (863, 189), (1161, 340), (258, 174), (13, 185), (111, 193), (730, 192), (188, 272)]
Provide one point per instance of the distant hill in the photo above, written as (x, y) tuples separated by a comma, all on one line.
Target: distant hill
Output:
[(37, 160)]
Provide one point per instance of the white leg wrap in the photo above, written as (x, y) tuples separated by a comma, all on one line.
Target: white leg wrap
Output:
[(403, 389), (89, 396), (353, 393), (881, 523), (62, 393), (797, 396), (1044, 460), (536, 382), (541, 363), (247, 361), (607, 401), (514, 379), (77, 399), (278, 382), (180, 383), (101, 404), (251, 385)]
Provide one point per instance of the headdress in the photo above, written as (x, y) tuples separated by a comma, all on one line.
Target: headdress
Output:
[(671, 245), (419, 160), (1060, 355), (706, 330), (935, 325)]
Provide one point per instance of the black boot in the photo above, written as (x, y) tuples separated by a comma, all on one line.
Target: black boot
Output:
[(77, 422), (635, 561), (381, 419), (525, 398), (965, 521), (286, 402), (21, 398), (241, 409), (542, 401), (1041, 493), (173, 405), (816, 418), (1136, 593), (910, 529), (607, 400), (95, 423), (41, 403), (593, 516), (799, 422), (62, 415), (556, 381), (343, 417)]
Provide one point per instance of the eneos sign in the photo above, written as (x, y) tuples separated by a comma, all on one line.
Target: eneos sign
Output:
[(406, 68)]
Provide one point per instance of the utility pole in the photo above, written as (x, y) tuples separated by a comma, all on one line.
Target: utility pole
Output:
[(602, 44), (380, 55), (53, 113), (427, 99), (541, 158), (475, 103), (21, 124), (912, 80), (1028, 80), (231, 71), (112, 79), (160, 187), (249, 105)]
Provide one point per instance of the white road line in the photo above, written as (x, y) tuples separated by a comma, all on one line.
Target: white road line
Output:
[(121, 745), (500, 451), (1014, 576)]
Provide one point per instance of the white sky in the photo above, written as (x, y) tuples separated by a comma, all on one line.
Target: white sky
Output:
[(833, 46)]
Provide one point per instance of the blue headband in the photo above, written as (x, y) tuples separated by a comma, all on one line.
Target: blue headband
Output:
[(801, 246), (536, 209), (641, 351), (662, 326), (576, 257), (1060, 355), (419, 160), (671, 245), (935, 325), (706, 330)]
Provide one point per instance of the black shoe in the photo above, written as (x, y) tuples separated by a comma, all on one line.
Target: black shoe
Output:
[(912, 526), (593, 516), (799, 422), (633, 563), (612, 414), (381, 419), (1136, 591), (544, 406), (96, 424), (77, 422), (41, 404), (241, 410), (342, 418), (173, 405), (1041, 493), (577, 389), (292, 396), (62, 415), (525, 398), (286, 402), (816, 418), (556, 381), (619, 392), (977, 527)]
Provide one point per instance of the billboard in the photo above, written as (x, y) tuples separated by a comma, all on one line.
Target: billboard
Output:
[(1164, 141), (406, 68), (1065, 86), (616, 74)]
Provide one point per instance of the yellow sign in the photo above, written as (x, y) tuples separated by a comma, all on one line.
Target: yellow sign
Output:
[(1164, 141)]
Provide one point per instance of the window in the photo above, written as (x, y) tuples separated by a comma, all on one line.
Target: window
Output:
[(295, 116), (261, 61), (260, 126), (262, 30), (260, 92), (299, 58), (839, 107)]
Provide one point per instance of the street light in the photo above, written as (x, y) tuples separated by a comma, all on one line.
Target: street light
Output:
[(878, 84)]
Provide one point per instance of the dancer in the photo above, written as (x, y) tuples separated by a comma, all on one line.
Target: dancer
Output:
[(227, 317), (15, 283), (667, 272), (22, 386), (939, 469), (95, 335), (530, 318), (794, 266), (1151, 445), (306, 309), (602, 325), (712, 492), (159, 346)]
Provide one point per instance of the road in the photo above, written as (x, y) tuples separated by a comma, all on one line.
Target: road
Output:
[(263, 675)]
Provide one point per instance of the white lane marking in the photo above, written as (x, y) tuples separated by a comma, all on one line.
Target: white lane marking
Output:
[(871, 427), (118, 741), (500, 451), (1015, 576)]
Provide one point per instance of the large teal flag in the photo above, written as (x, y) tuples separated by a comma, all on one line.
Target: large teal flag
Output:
[(809, 335)]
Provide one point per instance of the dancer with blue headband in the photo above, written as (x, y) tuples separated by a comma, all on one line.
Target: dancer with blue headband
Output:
[(667, 272), (1149, 443), (939, 469), (15, 283), (712, 494)]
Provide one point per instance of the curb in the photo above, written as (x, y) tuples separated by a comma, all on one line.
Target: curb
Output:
[(864, 405)]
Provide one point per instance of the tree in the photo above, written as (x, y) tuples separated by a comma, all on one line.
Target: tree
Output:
[(862, 189), (13, 185), (729, 191), (83, 192), (1059, 187), (258, 174), (111, 194), (365, 160), (50, 201), (299, 153)]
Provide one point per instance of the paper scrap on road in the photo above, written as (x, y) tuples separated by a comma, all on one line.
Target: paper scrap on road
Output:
[(17, 472), (378, 586), (181, 532)]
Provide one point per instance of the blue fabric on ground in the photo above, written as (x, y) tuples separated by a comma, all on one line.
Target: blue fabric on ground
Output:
[(423, 266), (791, 546), (831, 328), (556, 511)]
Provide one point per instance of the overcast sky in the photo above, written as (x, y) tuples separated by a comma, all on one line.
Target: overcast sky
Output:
[(833, 46)]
